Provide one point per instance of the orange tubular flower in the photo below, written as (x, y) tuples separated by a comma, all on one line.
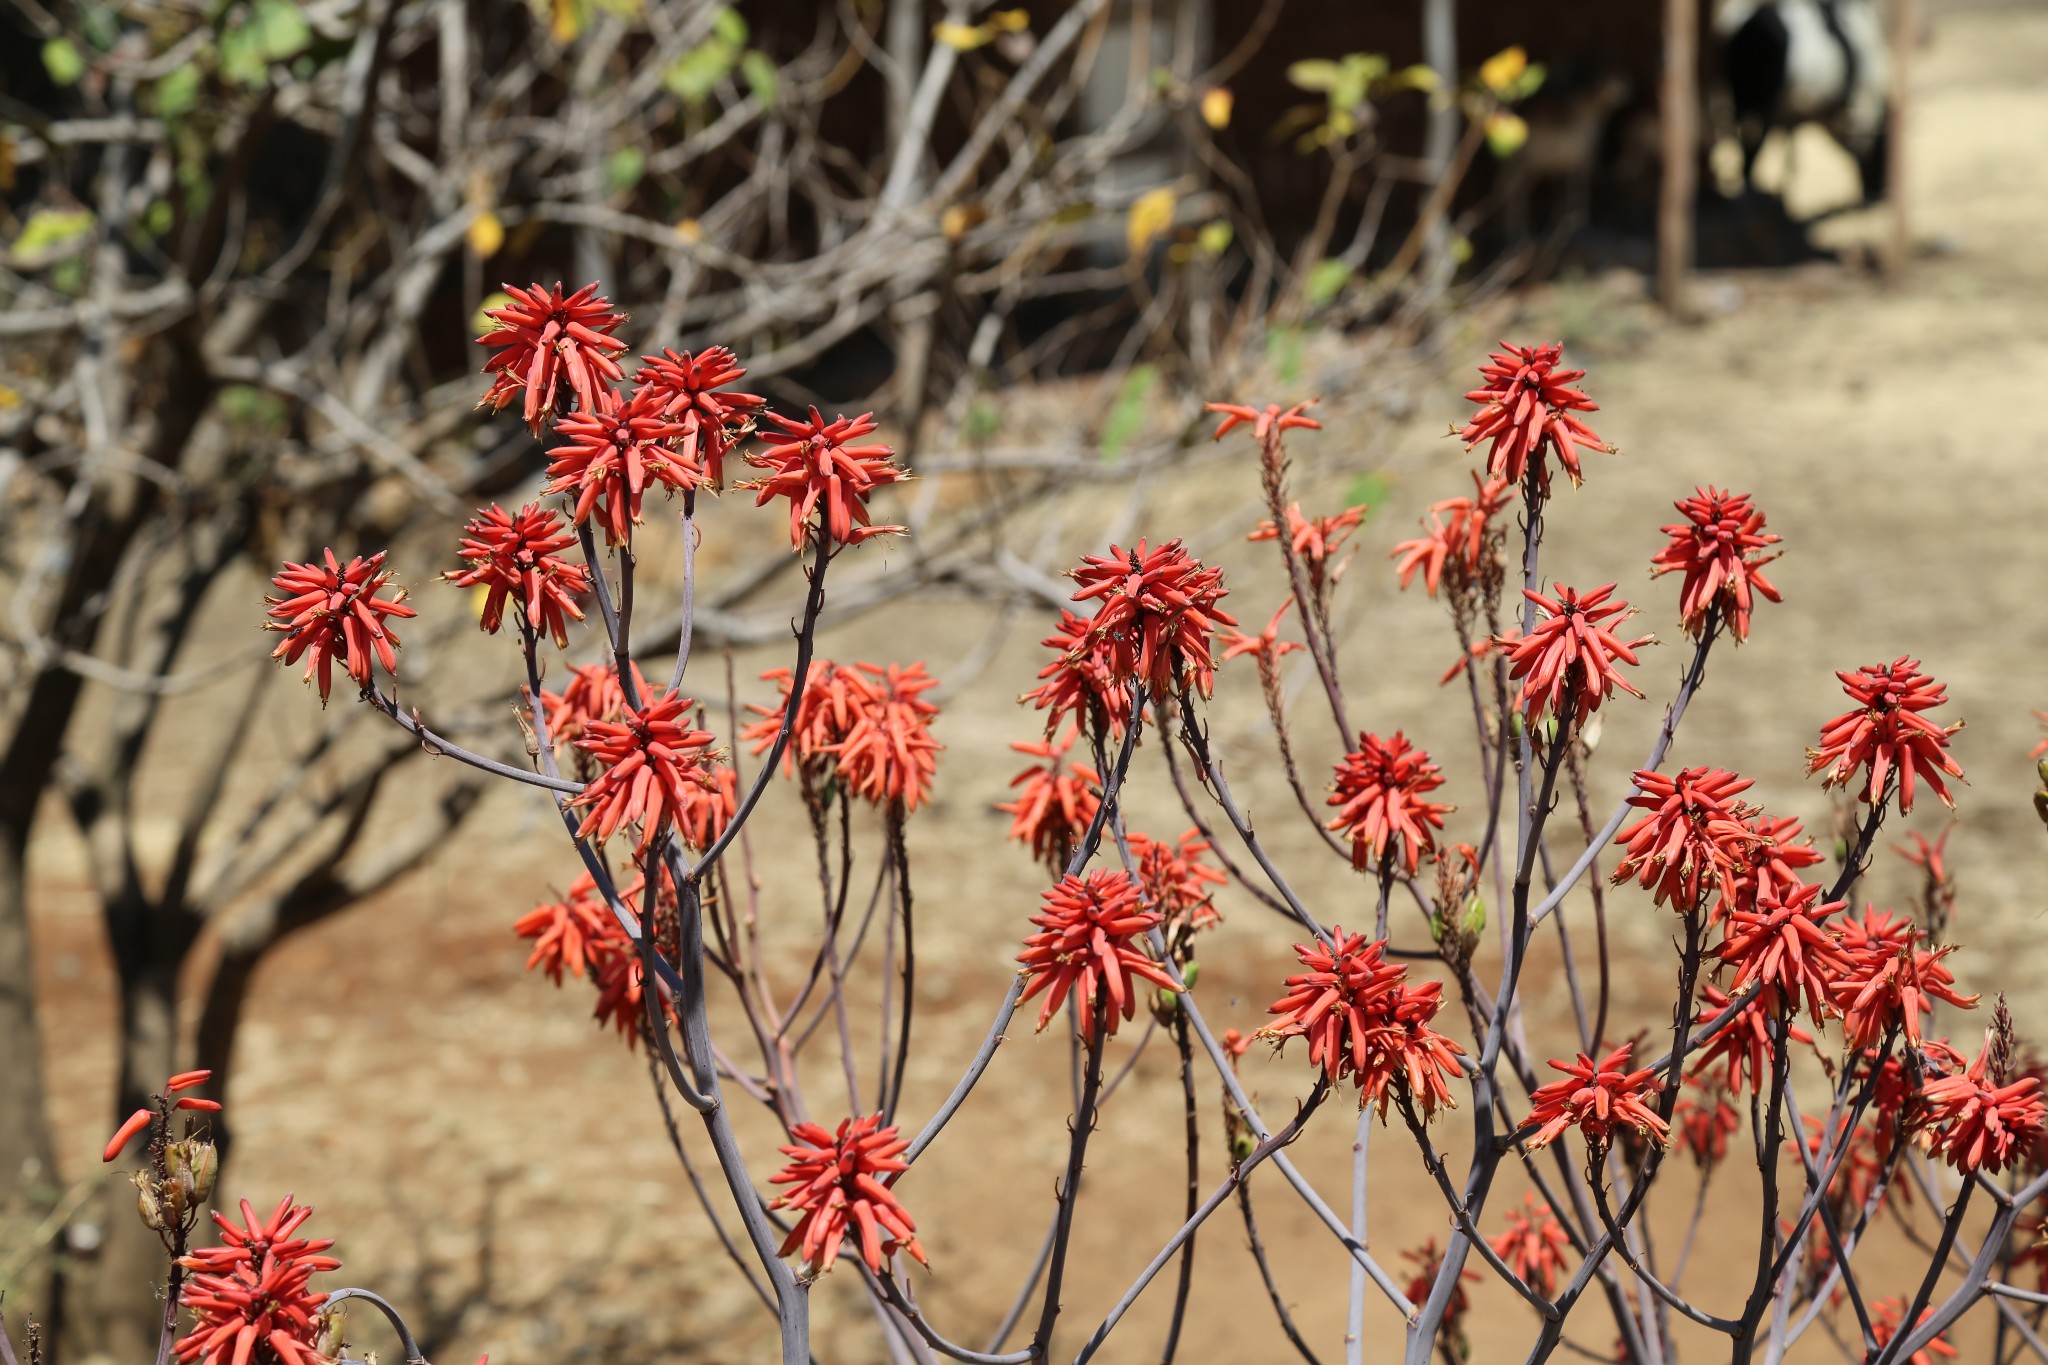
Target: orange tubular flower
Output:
[(1888, 733), (1763, 856), (1783, 942), (615, 451), (1055, 804), (1456, 543), (1744, 1042), (2042, 748), (1081, 683), (593, 693), (1715, 548), (1705, 1124), (1176, 882), (329, 612), (570, 934), (813, 465), (1158, 610), (1596, 1098), (1890, 980), (1567, 664), (886, 753), (1525, 408), (1316, 540), (544, 339), (1885, 1315), (1362, 1019), (1533, 1246), (1976, 1124), (709, 809), (1930, 858), (841, 1183), (136, 1122), (651, 757), (1679, 847), (250, 1294), (1087, 928), (1271, 418), (518, 557), (684, 387), (1267, 646), (1379, 793)]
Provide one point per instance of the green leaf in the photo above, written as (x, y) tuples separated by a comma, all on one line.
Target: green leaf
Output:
[(623, 169), (1314, 74), (158, 217), (1127, 414), (177, 92), (761, 77), (1215, 237), (1370, 488), (1326, 278), (47, 229), (1283, 348), (983, 421), (62, 60), (281, 31), (697, 72), (729, 28)]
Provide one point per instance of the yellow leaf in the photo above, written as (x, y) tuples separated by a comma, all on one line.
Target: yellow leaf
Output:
[(1505, 133), (691, 231), (959, 219), (1504, 68), (1151, 214), (1216, 105), (1417, 77), (482, 324), (963, 37), (566, 22), (9, 398), (486, 235), (1010, 21)]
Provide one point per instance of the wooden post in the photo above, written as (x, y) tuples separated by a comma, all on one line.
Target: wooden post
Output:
[(1905, 35), (1679, 105)]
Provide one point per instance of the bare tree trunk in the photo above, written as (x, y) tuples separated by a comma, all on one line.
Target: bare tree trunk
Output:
[(1679, 100), (1905, 35), (1440, 54), (28, 1167)]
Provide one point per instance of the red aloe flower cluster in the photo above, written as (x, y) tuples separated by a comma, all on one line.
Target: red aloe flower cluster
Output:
[(1744, 1043), (651, 759), (518, 557), (1863, 1162), (1885, 1316), (1176, 882), (250, 1293), (1887, 733), (1533, 1246), (1891, 980), (331, 611), (593, 693), (1716, 547), (690, 390), (1428, 1260), (580, 936), (840, 1181), (1782, 942), (868, 723), (1158, 610), (1267, 421), (1707, 1122), (1566, 665), (1085, 946), (545, 339), (615, 450), (1681, 845), (1056, 800), (814, 464), (1455, 545), (1975, 1123), (1362, 1019), (1266, 647), (1765, 857), (1596, 1098), (1316, 541), (1526, 407), (1379, 794), (1081, 682)]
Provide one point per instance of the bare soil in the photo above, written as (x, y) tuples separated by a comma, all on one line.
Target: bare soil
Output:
[(491, 1162)]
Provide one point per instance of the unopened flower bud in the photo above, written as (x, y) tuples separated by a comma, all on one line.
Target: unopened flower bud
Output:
[(193, 1163), (1241, 1146), (1189, 973)]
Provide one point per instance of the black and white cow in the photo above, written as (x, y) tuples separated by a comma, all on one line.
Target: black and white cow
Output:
[(1789, 62)]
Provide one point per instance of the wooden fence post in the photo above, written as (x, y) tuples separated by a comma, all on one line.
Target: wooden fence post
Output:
[(1679, 109)]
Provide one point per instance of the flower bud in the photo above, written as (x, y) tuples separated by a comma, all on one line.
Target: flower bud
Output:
[(1189, 973), (193, 1164), (1241, 1146)]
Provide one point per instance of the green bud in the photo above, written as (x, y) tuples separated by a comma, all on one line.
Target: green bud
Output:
[(2041, 805), (1190, 972), (1241, 1146), (1475, 915)]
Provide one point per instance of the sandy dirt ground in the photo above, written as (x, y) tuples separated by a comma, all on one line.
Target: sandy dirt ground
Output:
[(489, 1160)]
